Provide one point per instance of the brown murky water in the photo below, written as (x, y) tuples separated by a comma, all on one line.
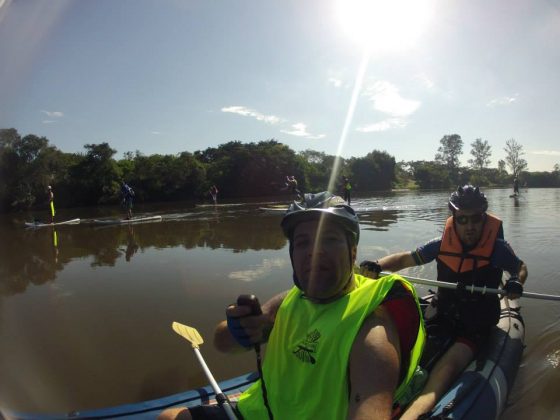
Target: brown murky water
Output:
[(86, 311)]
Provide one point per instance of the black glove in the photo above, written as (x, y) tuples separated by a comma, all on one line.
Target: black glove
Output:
[(371, 266), (514, 286)]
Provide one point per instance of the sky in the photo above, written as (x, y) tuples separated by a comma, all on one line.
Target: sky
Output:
[(342, 77)]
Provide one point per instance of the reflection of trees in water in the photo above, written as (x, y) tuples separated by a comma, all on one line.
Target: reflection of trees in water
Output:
[(239, 234), (40, 257), (378, 219), (30, 258)]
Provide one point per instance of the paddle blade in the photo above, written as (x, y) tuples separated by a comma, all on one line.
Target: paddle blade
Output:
[(189, 333)]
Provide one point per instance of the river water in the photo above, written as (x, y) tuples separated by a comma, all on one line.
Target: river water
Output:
[(86, 310)]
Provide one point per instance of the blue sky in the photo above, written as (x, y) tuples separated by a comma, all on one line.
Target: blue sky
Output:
[(168, 76)]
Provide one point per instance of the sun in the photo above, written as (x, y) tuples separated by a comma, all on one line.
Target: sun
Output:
[(384, 25)]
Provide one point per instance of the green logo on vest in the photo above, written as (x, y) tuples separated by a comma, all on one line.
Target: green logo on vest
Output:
[(305, 350)]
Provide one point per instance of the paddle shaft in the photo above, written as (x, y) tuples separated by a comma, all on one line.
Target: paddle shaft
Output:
[(220, 396), (476, 289)]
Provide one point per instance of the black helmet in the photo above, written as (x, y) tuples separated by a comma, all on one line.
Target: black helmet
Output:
[(314, 205), (468, 198)]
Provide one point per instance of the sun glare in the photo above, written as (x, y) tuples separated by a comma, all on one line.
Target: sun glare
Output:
[(384, 25)]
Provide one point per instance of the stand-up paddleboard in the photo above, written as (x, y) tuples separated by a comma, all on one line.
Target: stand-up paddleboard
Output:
[(127, 221), (220, 205), (514, 196), (278, 209), (41, 224)]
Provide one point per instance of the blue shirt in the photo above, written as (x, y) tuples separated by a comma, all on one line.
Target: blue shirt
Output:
[(502, 256)]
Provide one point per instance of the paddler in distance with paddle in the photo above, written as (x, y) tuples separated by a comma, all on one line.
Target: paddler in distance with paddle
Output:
[(339, 345), (51, 202), (471, 251)]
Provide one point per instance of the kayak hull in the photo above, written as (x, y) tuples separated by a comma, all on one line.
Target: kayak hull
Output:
[(482, 389), (150, 409)]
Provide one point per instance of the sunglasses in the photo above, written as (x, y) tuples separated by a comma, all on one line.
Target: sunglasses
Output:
[(475, 218)]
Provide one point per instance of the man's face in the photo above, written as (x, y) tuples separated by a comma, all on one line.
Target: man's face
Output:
[(468, 224), (321, 258)]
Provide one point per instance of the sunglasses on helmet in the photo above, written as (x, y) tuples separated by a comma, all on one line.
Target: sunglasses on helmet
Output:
[(475, 219)]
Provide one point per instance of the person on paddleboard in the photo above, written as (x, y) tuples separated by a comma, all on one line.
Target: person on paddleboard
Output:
[(339, 345), (471, 251), (127, 194), (292, 185), (51, 202), (347, 189), (213, 191)]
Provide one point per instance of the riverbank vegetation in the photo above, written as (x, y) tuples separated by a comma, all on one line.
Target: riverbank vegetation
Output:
[(29, 163)]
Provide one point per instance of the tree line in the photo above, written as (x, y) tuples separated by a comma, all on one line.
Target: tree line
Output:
[(29, 163)]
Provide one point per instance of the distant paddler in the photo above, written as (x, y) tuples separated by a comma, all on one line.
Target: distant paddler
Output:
[(127, 197), (51, 202), (213, 191), (292, 186), (515, 186)]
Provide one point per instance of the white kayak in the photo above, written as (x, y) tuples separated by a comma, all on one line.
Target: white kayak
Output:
[(127, 221), (41, 224)]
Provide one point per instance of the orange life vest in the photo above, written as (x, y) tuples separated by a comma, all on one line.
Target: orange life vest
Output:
[(451, 249)]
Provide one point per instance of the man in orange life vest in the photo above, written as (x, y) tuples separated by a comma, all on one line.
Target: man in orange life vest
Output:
[(471, 251)]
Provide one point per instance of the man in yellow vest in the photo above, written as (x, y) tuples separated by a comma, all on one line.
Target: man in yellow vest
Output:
[(339, 345), (471, 251)]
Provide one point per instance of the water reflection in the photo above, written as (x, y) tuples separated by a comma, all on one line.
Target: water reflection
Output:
[(377, 220), (132, 245), (29, 258), (47, 251)]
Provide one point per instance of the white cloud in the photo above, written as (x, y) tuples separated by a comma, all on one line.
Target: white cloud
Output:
[(387, 99), (335, 82), (382, 125), (503, 101), (259, 271), (300, 130), (53, 114), (425, 81), (248, 112), (545, 152)]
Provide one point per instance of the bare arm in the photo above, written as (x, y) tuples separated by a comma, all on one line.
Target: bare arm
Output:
[(374, 368), (257, 327), (398, 261), (523, 273)]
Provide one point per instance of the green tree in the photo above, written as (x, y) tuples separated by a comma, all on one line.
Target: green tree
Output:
[(448, 155), (481, 154), (514, 151), (318, 167), (502, 165), (430, 175), (27, 165), (96, 177), (374, 172)]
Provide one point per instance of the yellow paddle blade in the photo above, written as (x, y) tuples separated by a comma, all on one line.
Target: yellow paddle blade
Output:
[(189, 333)]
